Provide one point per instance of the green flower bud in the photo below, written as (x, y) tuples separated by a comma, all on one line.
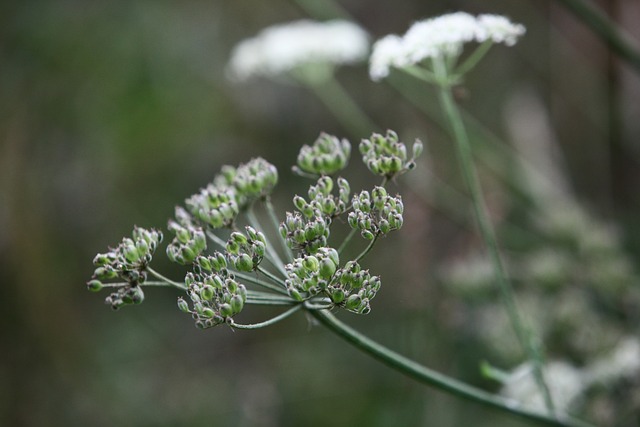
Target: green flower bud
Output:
[(207, 312), (337, 296), (244, 263), (353, 302), (207, 292), (226, 310), (94, 285), (183, 306), (327, 268), (311, 263), (237, 303)]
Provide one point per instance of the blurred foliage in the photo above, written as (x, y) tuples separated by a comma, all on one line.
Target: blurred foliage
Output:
[(113, 112)]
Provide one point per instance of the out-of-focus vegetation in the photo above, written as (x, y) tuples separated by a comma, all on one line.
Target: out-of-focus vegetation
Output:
[(113, 112)]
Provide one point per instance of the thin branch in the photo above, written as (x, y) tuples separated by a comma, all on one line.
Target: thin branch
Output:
[(435, 379), (267, 322), (178, 285), (608, 30)]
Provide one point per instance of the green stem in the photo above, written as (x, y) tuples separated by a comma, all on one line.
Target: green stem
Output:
[(217, 240), (606, 29), (178, 285), (275, 279), (271, 254), (254, 280), (271, 212), (367, 249), (433, 378), (347, 240), (267, 322), (474, 58), (145, 283), (340, 103), (470, 174)]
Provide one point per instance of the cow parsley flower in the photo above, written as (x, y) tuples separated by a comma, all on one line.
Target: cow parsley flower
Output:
[(443, 36), (283, 48)]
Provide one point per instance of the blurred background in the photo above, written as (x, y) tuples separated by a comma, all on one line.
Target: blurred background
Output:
[(111, 113)]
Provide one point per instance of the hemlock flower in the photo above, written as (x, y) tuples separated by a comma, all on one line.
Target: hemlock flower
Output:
[(443, 36), (284, 48)]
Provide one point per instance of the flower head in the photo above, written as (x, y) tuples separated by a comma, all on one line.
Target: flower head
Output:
[(283, 48), (443, 36)]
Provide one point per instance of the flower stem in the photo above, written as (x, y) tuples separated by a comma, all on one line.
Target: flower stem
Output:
[(178, 285), (254, 280), (347, 240), (474, 58), (367, 249), (605, 29), (272, 254), (433, 378), (267, 322), (276, 225), (470, 174)]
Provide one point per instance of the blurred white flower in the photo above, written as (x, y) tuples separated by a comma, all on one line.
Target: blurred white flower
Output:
[(565, 382), (622, 362), (437, 37), (283, 48)]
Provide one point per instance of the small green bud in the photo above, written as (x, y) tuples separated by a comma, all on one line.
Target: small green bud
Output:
[(183, 306), (337, 296), (295, 294), (207, 312), (207, 292), (237, 303), (226, 310), (244, 263), (353, 302), (94, 285), (311, 263), (327, 268)]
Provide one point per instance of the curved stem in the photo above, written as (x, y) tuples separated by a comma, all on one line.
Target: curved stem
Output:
[(272, 254), (367, 249), (470, 174), (433, 378), (267, 322), (178, 285), (276, 225)]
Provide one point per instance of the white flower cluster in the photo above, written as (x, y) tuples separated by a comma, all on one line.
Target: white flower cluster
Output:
[(282, 48), (437, 37)]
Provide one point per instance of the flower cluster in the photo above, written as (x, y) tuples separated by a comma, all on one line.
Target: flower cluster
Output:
[(281, 49), (321, 199), (189, 241), (443, 36), (213, 206), (246, 252), (306, 235), (326, 156), (250, 180), (311, 274), (354, 288), (376, 213), (215, 294), (128, 261), (318, 275), (386, 156)]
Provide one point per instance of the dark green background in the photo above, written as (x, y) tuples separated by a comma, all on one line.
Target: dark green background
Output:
[(113, 112)]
